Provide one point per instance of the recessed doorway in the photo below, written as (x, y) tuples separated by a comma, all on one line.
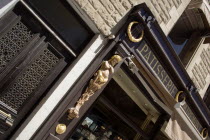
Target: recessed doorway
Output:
[(116, 115)]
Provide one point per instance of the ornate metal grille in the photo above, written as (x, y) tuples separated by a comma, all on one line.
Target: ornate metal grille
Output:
[(28, 66), (192, 117), (29, 80), (12, 42)]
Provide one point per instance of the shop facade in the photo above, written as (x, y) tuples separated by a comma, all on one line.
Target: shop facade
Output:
[(163, 82), (132, 84)]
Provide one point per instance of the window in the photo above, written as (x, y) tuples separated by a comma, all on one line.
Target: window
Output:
[(103, 123), (64, 21), (28, 66), (186, 36), (114, 116), (31, 58)]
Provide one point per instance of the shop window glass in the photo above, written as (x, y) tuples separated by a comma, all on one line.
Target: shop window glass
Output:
[(102, 126), (102, 123)]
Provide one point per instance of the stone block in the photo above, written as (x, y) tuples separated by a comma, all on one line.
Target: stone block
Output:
[(94, 16), (112, 10), (174, 14), (164, 28), (106, 14), (170, 24), (154, 11), (181, 9), (127, 5), (101, 10), (121, 9), (136, 2)]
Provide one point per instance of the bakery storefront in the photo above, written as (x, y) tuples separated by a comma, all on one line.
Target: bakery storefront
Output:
[(129, 91), (135, 88)]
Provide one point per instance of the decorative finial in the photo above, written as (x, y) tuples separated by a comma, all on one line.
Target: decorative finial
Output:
[(60, 128)]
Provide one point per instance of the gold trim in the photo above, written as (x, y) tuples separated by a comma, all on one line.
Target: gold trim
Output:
[(100, 78), (178, 95), (8, 116), (5, 114), (60, 128), (130, 36), (202, 133)]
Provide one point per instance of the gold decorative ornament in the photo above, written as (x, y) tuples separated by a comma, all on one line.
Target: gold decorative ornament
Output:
[(204, 133), (100, 78), (103, 127), (130, 36), (180, 96), (60, 128)]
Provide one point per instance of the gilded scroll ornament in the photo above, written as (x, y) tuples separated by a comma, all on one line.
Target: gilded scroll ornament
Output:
[(130, 36), (60, 128), (204, 133), (100, 78), (180, 96)]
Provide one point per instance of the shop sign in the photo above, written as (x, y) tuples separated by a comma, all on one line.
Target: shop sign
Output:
[(144, 51)]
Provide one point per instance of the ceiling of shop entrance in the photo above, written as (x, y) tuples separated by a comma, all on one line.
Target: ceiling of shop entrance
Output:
[(128, 86)]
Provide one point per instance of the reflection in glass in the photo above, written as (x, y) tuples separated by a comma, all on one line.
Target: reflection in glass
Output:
[(104, 122), (99, 125)]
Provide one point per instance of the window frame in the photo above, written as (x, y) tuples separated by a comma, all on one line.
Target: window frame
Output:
[(60, 39)]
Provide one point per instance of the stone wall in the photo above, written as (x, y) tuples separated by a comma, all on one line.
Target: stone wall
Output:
[(199, 68), (202, 5), (106, 14)]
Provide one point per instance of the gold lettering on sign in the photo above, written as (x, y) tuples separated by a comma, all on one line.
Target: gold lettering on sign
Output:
[(158, 69), (174, 90), (145, 49), (155, 63), (154, 58), (147, 56), (145, 52), (162, 75), (165, 81), (172, 87), (169, 84)]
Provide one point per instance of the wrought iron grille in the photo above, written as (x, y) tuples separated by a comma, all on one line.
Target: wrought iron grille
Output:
[(29, 80), (192, 117), (12, 42)]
